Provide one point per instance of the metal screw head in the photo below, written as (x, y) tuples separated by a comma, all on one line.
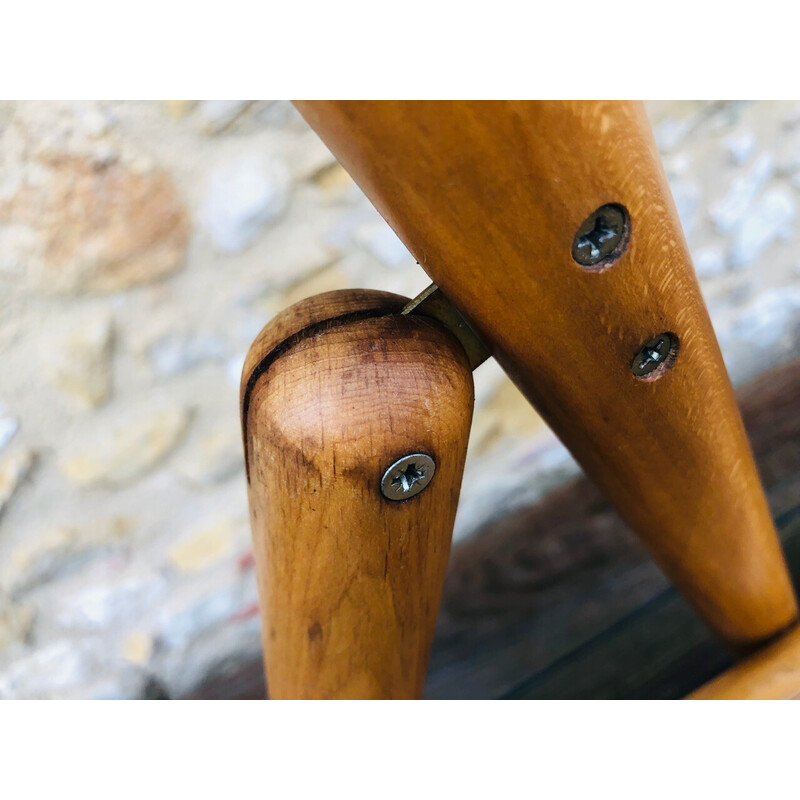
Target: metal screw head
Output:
[(602, 236), (408, 476), (655, 357)]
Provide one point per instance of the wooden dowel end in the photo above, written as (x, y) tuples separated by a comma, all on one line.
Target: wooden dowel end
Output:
[(350, 581)]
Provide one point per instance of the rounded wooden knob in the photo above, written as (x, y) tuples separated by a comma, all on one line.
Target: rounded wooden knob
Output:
[(340, 394)]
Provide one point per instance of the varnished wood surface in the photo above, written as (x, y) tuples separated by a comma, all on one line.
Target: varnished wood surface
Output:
[(349, 582), (306, 319), (488, 196), (771, 674)]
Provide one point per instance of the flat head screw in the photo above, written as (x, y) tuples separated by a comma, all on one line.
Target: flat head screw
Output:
[(655, 357), (408, 476), (601, 238)]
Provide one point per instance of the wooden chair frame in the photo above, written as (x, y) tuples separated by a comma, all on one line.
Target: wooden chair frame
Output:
[(551, 228)]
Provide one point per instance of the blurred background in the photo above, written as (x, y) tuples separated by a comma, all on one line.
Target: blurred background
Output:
[(142, 247)]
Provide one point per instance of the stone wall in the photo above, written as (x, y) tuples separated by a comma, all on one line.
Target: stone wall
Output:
[(142, 246)]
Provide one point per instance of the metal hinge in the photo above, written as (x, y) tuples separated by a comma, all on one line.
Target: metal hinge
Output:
[(433, 303)]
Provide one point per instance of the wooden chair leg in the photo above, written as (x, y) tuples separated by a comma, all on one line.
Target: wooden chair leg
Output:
[(550, 226), (772, 673), (351, 546)]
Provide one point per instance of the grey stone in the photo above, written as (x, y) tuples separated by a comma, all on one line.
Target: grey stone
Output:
[(740, 146), (14, 468), (198, 632), (96, 601), (187, 616), (8, 427), (769, 320), (234, 367), (130, 446), (765, 221), (671, 132), (729, 212), (687, 200), (175, 353), (209, 545), (77, 358), (51, 671), (382, 242), (214, 458), (217, 115), (242, 196), (16, 621), (510, 478), (61, 550), (709, 262), (84, 215), (121, 683)]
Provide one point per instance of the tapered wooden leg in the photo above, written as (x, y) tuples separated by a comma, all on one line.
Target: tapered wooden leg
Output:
[(598, 319), (772, 673), (350, 558)]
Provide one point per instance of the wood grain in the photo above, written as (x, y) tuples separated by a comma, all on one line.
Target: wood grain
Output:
[(771, 674), (350, 582), (488, 196)]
